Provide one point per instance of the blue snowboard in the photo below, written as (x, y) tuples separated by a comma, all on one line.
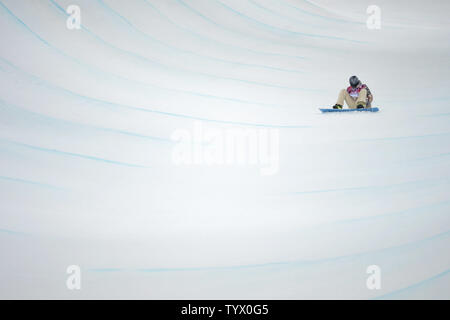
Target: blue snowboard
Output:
[(375, 109)]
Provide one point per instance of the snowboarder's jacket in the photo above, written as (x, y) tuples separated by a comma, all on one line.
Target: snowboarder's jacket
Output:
[(354, 92)]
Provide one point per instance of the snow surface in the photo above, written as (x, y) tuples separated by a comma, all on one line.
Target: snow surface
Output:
[(87, 176)]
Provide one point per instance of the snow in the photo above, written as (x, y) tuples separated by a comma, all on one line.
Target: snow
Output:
[(86, 170)]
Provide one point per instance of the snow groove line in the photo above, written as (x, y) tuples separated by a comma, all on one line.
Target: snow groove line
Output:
[(141, 109), (152, 86), (293, 263), (285, 31), (360, 188), (31, 182), (264, 8), (413, 286), (227, 45), (71, 154), (409, 211), (81, 125), (198, 55), (301, 46), (178, 69), (318, 15)]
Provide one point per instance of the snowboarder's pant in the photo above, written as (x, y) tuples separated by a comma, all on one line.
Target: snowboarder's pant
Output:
[(343, 95)]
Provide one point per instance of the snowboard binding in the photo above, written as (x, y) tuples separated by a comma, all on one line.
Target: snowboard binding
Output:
[(360, 105)]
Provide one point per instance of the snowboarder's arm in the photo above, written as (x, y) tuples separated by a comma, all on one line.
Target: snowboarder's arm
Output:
[(369, 93)]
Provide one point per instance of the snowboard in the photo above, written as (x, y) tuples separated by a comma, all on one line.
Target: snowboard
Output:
[(374, 109)]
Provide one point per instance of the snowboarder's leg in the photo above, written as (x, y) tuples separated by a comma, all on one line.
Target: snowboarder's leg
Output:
[(344, 96), (341, 97), (362, 99)]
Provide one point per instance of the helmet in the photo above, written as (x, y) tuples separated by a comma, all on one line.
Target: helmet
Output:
[(354, 81)]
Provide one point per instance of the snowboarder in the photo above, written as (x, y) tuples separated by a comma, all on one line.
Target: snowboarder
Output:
[(357, 96)]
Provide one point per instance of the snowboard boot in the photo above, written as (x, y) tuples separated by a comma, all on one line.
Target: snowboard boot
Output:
[(360, 105), (337, 106)]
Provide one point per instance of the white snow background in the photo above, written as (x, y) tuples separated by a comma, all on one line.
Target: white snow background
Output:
[(87, 178)]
